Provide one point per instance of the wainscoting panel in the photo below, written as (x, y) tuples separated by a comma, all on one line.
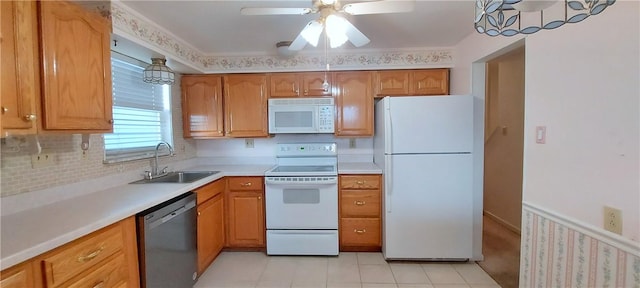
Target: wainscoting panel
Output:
[(560, 252)]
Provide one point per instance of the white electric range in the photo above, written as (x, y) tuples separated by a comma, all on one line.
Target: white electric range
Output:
[(301, 195)]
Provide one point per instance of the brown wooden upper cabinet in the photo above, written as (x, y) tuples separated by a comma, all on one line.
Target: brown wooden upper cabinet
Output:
[(412, 82), (202, 110), (245, 105), (20, 70), (354, 103), (307, 84), (76, 68)]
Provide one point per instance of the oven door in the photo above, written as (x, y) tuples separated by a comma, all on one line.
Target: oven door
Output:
[(301, 202)]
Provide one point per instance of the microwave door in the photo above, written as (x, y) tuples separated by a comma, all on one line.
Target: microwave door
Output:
[(293, 119)]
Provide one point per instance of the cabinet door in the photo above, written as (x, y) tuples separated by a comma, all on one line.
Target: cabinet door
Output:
[(245, 103), (202, 115), (312, 84), (19, 52), (21, 275), (76, 61), (354, 104), (284, 85), (392, 83), (210, 231), (246, 219), (430, 82)]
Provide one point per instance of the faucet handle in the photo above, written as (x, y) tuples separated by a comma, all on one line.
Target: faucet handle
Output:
[(164, 170), (147, 174)]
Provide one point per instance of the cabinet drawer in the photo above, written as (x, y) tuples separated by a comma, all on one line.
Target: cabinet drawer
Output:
[(360, 181), (360, 203), (359, 232), (245, 183), (208, 191), (78, 256), (110, 274)]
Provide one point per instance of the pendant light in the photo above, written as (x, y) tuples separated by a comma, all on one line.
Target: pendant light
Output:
[(158, 72)]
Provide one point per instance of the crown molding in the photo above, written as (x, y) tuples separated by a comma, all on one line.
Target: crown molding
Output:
[(136, 27)]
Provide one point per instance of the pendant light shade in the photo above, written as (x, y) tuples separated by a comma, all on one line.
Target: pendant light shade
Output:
[(158, 72)]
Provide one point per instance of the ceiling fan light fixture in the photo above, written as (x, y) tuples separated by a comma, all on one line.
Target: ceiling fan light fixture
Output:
[(336, 30), (312, 32), (327, 2)]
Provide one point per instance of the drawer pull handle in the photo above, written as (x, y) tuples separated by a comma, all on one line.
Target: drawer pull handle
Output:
[(5, 109), (91, 255), (361, 182), (360, 231), (100, 284), (359, 203), (248, 184)]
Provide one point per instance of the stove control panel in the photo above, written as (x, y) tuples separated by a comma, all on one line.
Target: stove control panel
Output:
[(306, 149)]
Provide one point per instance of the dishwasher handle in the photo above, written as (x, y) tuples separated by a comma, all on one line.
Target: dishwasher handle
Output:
[(167, 217)]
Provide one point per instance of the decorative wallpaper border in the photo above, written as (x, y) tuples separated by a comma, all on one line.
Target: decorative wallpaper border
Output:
[(146, 32), (559, 252)]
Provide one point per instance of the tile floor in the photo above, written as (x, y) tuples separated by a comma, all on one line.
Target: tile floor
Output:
[(362, 270)]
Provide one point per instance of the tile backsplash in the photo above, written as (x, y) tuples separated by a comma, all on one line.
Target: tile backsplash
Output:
[(70, 164)]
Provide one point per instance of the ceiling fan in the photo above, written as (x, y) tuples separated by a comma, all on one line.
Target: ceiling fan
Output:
[(337, 28)]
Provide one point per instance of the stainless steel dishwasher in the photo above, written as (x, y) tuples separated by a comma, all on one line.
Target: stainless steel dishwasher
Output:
[(167, 243)]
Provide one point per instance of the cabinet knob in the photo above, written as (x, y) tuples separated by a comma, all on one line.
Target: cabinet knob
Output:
[(306, 91), (110, 121), (248, 184), (199, 213), (259, 197), (360, 231), (30, 117), (359, 203), (4, 110)]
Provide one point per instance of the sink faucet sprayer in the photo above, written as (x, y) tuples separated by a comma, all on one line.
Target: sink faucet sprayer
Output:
[(154, 168)]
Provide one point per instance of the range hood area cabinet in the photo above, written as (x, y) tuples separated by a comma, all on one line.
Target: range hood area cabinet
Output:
[(308, 84), (75, 97), (237, 110)]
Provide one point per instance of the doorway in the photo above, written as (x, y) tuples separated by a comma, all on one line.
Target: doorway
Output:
[(503, 156)]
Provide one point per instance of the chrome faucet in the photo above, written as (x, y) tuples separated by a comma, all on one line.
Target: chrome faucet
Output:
[(154, 168)]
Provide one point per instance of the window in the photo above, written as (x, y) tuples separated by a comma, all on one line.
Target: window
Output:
[(141, 113)]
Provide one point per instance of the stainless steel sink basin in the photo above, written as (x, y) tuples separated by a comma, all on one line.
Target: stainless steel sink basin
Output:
[(178, 177)]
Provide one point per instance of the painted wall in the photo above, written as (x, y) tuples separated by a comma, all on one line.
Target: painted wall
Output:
[(70, 165), (504, 139), (582, 83)]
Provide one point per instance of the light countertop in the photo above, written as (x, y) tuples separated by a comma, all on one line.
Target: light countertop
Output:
[(31, 232)]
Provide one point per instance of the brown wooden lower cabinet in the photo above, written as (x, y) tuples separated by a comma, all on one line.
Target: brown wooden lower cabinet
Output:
[(245, 212), (105, 258), (210, 222), (360, 212)]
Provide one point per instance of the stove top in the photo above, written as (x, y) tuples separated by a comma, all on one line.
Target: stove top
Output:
[(305, 159)]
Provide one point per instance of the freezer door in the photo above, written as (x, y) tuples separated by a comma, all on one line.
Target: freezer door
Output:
[(429, 124), (428, 207)]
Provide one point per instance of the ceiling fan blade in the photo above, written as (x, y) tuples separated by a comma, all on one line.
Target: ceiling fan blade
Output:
[(379, 7), (298, 43), (356, 37), (274, 11)]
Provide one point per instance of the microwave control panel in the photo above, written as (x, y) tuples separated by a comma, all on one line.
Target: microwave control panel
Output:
[(326, 119)]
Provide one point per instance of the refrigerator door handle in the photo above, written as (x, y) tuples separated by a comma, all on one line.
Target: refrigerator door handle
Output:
[(389, 128), (388, 184)]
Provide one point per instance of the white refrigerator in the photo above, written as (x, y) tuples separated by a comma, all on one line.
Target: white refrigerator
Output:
[(424, 145)]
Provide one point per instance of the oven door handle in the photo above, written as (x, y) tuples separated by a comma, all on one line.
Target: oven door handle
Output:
[(333, 181)]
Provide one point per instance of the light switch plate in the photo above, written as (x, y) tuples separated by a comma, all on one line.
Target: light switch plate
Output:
[(541, 134)]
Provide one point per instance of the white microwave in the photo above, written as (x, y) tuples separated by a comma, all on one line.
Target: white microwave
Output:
[(301, 115)]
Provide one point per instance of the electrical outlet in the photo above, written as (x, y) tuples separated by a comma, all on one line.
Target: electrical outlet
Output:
[(613, 220), (44, 159), (352, 143), (248, 143)]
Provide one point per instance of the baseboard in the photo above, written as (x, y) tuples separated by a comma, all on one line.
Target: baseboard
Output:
[(558, 251), (502, 222)]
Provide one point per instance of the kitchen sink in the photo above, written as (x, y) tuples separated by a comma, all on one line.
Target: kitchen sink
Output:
[(178, 177)]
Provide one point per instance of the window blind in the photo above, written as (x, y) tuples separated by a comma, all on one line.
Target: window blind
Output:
[(141, 113)]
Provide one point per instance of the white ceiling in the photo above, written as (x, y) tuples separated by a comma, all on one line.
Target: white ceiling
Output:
[(217, 28)]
